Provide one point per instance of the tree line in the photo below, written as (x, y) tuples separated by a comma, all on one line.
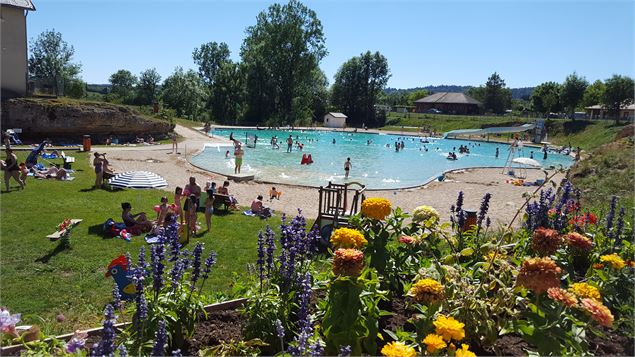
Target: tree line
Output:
[(278, 80)]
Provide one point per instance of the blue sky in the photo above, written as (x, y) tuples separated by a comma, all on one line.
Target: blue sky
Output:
[(426, 42)]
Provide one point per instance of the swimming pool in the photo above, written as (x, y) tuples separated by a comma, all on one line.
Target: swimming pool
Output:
[(375, 162)]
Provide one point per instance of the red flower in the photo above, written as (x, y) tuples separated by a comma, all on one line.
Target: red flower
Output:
[(545, 241)]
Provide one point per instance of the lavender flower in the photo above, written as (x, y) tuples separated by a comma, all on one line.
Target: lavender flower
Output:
[(484, 208), (305, 300), (176, 273), (116, 298), (141, 263), (209, 263), (314, 237), (160, 340), (619, 227), (488, 222), (196, 264), (123, 352), (142, 308), (261, 258), (610, 217), (177, 353), (459, 202), (271, 246), (107, 344), (345, 351), (279, 329), (316, 349), (158, 267), (77, 342)]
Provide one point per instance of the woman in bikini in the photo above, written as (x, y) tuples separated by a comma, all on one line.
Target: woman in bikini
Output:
[(98, 162)]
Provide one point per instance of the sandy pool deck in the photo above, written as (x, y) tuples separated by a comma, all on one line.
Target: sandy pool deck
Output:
[(475, 183)]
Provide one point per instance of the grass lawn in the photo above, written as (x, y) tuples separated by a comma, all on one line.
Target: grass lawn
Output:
[(38, 279)]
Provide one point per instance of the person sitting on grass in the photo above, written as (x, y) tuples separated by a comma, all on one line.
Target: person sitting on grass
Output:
[(135, 223), (259, 209)]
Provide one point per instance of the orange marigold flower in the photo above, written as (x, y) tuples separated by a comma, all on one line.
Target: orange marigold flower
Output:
[(348, 262), (348, 238), (562, 296), (464, 351), (539, 274), (579, 242), (398, 349), (600, 313), (376, 207), (630, 263), (598, 266), (427, 291), (434, 342), (545, 241), (449, 328), (584, 290)]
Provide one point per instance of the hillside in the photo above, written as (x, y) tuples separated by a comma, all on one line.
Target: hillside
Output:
[(517, 93)]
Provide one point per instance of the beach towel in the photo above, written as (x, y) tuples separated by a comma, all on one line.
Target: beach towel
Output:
[(249, 213)]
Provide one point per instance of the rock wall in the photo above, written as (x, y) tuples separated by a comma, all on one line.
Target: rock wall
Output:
[(52, 118)]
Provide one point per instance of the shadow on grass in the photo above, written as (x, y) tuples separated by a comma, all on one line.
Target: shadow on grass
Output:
[(98, 230), (62, 245)]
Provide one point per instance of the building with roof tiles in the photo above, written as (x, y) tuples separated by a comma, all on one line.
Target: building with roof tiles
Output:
[(448, 103), (14, 72)]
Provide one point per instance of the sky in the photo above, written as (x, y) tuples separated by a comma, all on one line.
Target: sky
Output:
[(425, 42)]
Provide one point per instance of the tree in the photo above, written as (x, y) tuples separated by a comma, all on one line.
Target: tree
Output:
[(209, 58), (123, 83), (546, 98), (593, 94), (572, 92), (51, 59), (184, 92), (148, 88), (227, 94), (618, 92), (416, 95), (280, 53), (477, 93), (496, 97), (358, 84), (74, 88)]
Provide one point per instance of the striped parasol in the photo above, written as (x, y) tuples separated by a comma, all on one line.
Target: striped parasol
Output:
[(137, 179)]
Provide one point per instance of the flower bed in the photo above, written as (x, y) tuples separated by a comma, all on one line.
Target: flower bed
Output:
[(560, 285)]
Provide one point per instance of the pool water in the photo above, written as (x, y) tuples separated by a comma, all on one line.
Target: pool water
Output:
[(375, 164)]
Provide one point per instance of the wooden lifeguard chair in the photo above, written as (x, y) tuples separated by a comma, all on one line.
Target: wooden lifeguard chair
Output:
[(336, 206)]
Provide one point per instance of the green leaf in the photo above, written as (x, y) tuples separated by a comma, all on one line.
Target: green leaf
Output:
[(467, 252)]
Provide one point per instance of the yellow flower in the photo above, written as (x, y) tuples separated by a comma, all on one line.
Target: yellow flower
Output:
[(348, 238), (398, 349), (464, 352), (449, 328), (434, 342), (426, 291), (614, 260), (584, 290), (376, 207), (424, 213)]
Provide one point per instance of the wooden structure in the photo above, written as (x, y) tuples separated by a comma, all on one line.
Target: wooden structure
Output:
[(336, 205), (57, 235)]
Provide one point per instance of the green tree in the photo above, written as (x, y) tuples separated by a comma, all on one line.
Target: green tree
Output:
[(148, 87), (546, 98), (618, 92), (572, 92), (593, 94), (209, 58), (496, 98), (123, 83), (416, 95), (358, 84), (184, 92), (280, 53), (75, 88), (477, 93), (51, 59), (227, 94)]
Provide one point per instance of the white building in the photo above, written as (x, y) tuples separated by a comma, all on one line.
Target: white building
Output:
[(335, 120), (14, 48)]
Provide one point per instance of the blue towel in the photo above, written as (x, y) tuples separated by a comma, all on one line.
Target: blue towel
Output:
[(249, 213)]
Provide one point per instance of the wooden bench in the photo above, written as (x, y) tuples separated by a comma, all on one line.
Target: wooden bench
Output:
[(222, 200), (57, 235)]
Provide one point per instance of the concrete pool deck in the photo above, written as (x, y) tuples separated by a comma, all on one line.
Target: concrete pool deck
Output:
[(506, 198)]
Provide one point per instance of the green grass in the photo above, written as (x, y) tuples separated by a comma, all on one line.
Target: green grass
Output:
[(37, 278), (609, 171), (584, 133)]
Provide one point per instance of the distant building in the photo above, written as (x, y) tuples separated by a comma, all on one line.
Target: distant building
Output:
[(14, 72), (448, 103), (598, 111), (335, 120)]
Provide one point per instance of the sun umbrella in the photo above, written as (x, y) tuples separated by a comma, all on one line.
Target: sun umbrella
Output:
[(526, 161), (137, 179)]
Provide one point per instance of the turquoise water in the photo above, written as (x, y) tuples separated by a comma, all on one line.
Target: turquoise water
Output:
[(374, 164)]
